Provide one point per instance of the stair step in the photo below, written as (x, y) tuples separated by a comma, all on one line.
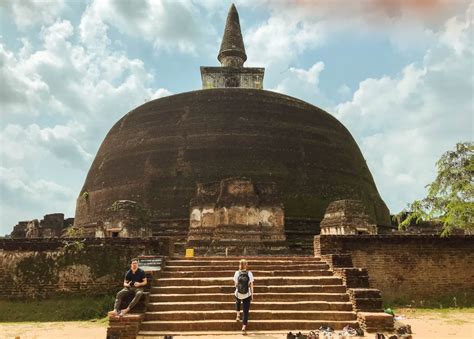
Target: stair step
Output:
[(261, 296), (256, 305), (195, 295), (232, 325), (258, 290), (215, 334), (256, 315), (230, 273), (225, 281), (250, 258), (235, 262), (260, 266)]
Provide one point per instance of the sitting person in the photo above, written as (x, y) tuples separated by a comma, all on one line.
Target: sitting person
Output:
[(134, 279)]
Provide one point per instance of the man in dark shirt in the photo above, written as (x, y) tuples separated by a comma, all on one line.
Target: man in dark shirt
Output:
[(134, 280)]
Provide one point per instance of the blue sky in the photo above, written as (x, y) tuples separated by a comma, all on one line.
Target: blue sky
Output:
[(398, 76)]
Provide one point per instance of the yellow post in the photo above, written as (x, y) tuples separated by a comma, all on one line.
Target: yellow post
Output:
[(189, 252)]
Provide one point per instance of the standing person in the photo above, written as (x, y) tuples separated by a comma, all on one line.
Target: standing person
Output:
[(243, 280), (134, 279)]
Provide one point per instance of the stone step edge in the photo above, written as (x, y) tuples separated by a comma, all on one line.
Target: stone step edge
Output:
[(210, 334), (302, 302), (250, 263), (256, 294), (250, 257), (324, 277), (268, 286), (219, 321), (304, 264), (255, 311), (229, 269)]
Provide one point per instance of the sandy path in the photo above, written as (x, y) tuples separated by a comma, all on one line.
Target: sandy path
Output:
[(425, 325), (56, 330)]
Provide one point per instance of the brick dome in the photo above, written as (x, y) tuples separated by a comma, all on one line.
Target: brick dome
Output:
[(158, 152)]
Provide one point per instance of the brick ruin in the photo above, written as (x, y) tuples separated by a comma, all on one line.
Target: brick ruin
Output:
[(346, 217), (125, 219), (409, 269), (51, 226), (237, 215)]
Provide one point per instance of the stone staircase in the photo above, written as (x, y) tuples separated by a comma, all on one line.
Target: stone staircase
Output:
[(195, 296)]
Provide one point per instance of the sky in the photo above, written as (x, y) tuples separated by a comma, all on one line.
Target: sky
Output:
[(398, 74)]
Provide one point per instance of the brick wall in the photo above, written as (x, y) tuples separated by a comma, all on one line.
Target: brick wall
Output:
[(36, 268), (410, 268)]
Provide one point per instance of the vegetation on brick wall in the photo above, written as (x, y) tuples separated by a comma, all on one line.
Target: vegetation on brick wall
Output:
[(39, 270), (102, 261)]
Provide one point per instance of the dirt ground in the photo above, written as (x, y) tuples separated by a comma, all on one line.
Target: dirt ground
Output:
[(425, 325)]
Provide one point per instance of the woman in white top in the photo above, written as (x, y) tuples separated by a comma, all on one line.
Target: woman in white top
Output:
[(243, 280)]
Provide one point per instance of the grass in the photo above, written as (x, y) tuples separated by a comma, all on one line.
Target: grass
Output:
[(57, 309), (457, 300), (450, 315), (435, 311)]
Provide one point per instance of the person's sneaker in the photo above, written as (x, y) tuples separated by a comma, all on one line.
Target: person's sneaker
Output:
[(237, 318), (244, 331)]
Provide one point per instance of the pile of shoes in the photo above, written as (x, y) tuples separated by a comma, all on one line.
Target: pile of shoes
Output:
[(327, 332), (298, 335), (402, 329), (351, 332), (323, 332)]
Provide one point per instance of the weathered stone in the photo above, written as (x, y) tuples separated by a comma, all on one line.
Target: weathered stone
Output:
[(33, 229), (238, 216), (375, 321), (124, 219), (347, 217), (51, 226), (19, 230)]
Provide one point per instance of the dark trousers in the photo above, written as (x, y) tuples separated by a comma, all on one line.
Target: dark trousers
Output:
[(246, 303), (126, 290)]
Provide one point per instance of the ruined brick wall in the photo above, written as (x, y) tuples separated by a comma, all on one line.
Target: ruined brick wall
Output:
[(36, 268), (410, 268)]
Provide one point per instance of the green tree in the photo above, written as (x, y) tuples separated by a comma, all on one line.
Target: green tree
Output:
[(450, 198)]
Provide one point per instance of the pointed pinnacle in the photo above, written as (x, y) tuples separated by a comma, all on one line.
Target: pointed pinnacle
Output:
[(232, 42)]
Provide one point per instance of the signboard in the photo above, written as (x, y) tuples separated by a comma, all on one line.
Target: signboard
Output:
[(150, 263)]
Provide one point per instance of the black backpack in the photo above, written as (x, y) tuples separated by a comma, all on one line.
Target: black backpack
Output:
[(243, 283)]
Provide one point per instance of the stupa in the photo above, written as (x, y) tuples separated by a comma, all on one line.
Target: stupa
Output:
[(161, 152)]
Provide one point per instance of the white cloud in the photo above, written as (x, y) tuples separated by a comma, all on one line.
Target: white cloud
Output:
[(63, 97), (281, 39), (302, 83), (166, 24), (294, 28), (22, 145), (26, 198), (404, 123), (27, 13)]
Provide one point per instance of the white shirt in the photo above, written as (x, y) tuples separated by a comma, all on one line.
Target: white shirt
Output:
[(236, 278)]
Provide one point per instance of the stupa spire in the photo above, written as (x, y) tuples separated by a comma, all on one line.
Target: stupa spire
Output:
[(232, 51), (232, 72)]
